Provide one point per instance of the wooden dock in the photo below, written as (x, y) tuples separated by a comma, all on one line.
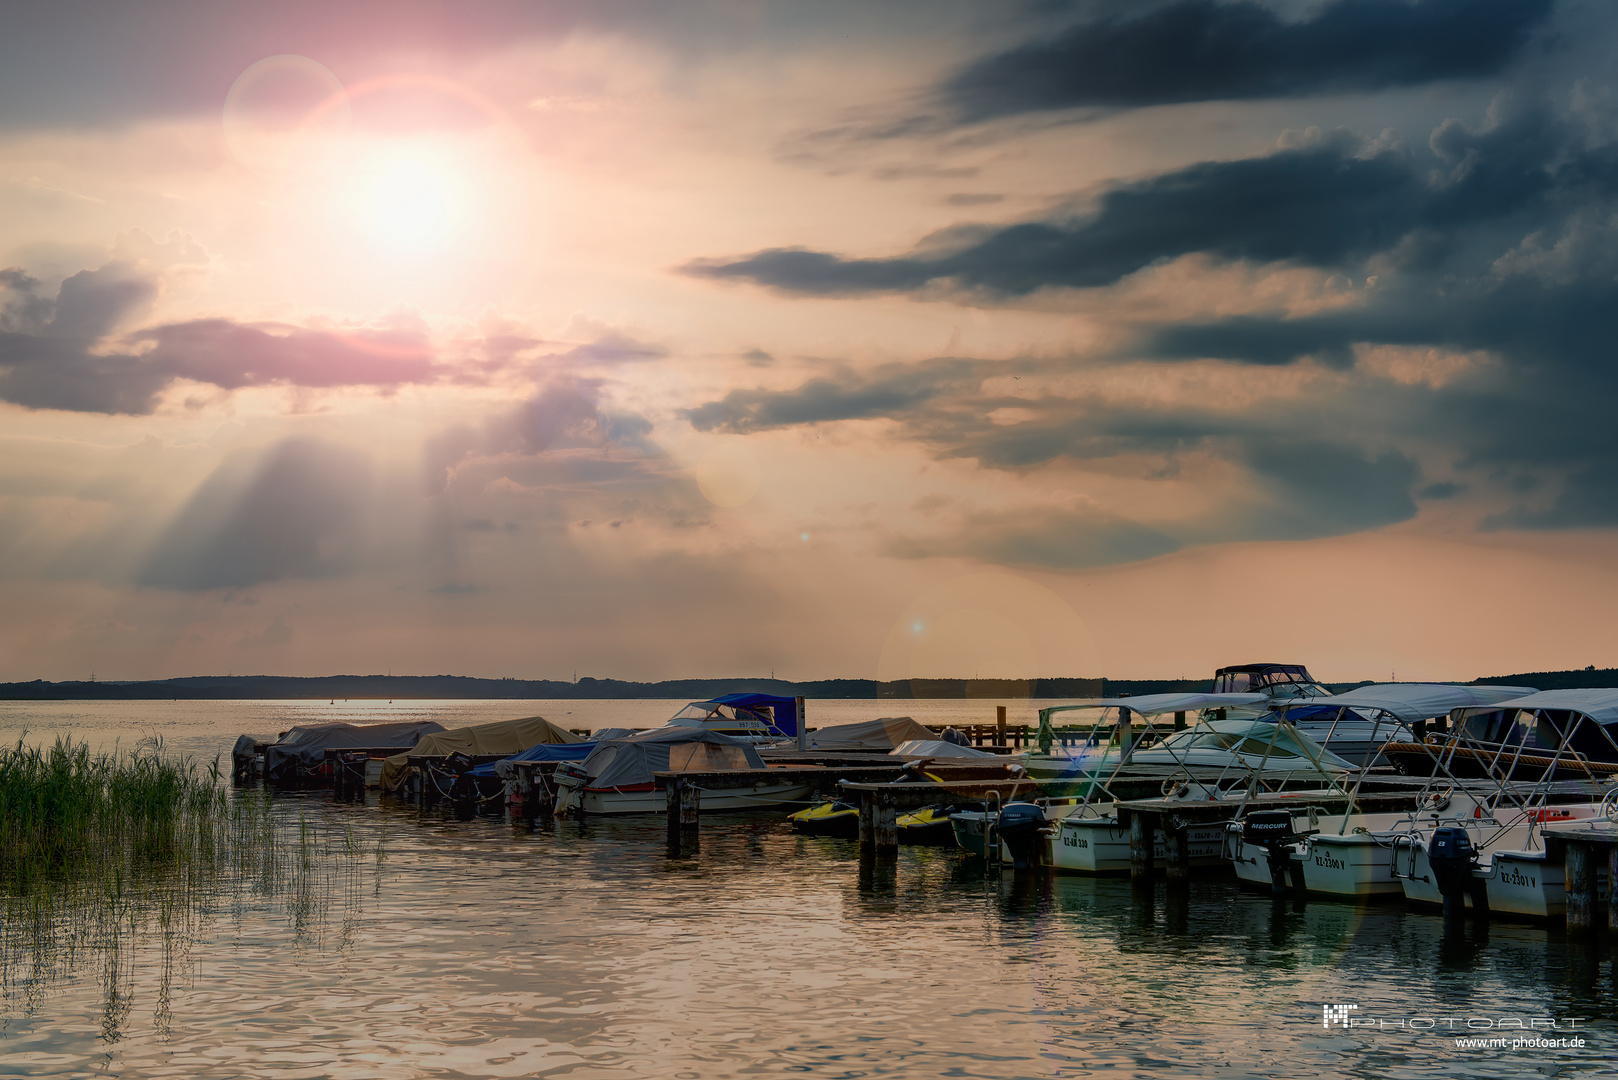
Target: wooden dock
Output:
[(1579, 846)]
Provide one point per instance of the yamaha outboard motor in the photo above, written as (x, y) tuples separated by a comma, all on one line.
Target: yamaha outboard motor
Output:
[(1453, 858), (1272, 830), (1020, 825)]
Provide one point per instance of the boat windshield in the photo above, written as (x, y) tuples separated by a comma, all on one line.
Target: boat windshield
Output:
[(709, 711), (1266, 678)]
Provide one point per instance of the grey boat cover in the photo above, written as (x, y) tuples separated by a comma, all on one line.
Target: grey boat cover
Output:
[(306, 745), (631, 761), (1408, 702), (938, 748), (1599, 704), (883, 734)]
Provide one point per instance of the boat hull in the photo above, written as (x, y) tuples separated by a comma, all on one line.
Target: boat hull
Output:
[(759, 796), (1100, 845)]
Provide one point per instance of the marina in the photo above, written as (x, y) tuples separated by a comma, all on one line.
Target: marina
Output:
[(507, 901)]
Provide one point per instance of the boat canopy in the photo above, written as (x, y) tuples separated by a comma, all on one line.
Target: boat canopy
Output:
[(306, 745), (883, 734), (1600, 705), (499, 737), (1406, 702), (1157, 704), (631, 761), (1283, 744), (938, 748), (780, 714)]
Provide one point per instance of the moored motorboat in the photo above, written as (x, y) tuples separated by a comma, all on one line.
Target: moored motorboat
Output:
[(618, 776)]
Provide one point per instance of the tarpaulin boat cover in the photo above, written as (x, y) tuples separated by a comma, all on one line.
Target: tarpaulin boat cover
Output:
[(630, 762), (883, 734), (938, 748), (306, 746), (500, 737), (577, 751)]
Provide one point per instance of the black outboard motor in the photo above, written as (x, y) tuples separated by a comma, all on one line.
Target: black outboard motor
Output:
[(1020, 826), (1453, 858), (1272, 830)]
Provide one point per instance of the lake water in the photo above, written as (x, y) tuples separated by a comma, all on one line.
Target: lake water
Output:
[(479, 949)]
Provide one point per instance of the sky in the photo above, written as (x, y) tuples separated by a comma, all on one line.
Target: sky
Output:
[(902, 340)]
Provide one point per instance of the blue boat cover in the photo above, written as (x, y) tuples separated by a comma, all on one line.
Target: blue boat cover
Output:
[(576, 751)]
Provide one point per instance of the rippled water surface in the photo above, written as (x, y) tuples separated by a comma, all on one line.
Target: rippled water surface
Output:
[(434, 948)]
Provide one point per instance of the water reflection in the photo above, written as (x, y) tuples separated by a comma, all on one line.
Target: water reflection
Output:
[(431, 947)]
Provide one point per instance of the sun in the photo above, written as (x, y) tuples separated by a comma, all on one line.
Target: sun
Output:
[(408, 199)]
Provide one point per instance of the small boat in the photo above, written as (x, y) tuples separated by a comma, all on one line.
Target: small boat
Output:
[(760, 719), (618, 776), (929, 825)]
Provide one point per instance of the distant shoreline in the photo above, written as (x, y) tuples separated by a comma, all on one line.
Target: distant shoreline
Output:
[(457, 687)]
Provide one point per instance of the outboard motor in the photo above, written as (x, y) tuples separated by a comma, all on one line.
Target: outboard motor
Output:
[(1453, 858), (1272, 830), (1020, 825), (570, 779)]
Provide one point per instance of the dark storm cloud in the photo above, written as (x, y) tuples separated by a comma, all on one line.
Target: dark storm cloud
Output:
[(1199, 50), (294, 512), (1492, 250), (63, 353), (1329, 204)]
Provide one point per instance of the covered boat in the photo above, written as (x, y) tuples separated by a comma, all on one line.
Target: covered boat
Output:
[(618, 776), (300, 753), (1560, 734), (869, 735), (937, 748), (504, 737)]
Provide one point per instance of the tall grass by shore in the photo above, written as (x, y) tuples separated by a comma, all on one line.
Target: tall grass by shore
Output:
[(106, 856)]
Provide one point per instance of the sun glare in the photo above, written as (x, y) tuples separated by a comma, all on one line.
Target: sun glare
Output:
[(407, 200)]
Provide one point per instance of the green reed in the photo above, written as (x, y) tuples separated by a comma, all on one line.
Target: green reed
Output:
[(104, 856)]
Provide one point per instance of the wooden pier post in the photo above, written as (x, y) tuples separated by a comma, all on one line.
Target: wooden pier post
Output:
[(1179, 721), (885, 830), (684, 810), (1142, 830), (1612, 898), (867, 824), (525, 792), (1578, 867), (999, 725), (1177, 845)]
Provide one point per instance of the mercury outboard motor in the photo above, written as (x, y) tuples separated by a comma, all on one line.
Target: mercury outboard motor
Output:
[(1272, 830), (1453, 858), (1020, 826)]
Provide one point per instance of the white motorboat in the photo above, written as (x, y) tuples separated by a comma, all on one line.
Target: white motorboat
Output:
[(760, 719), (1518, 878)]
